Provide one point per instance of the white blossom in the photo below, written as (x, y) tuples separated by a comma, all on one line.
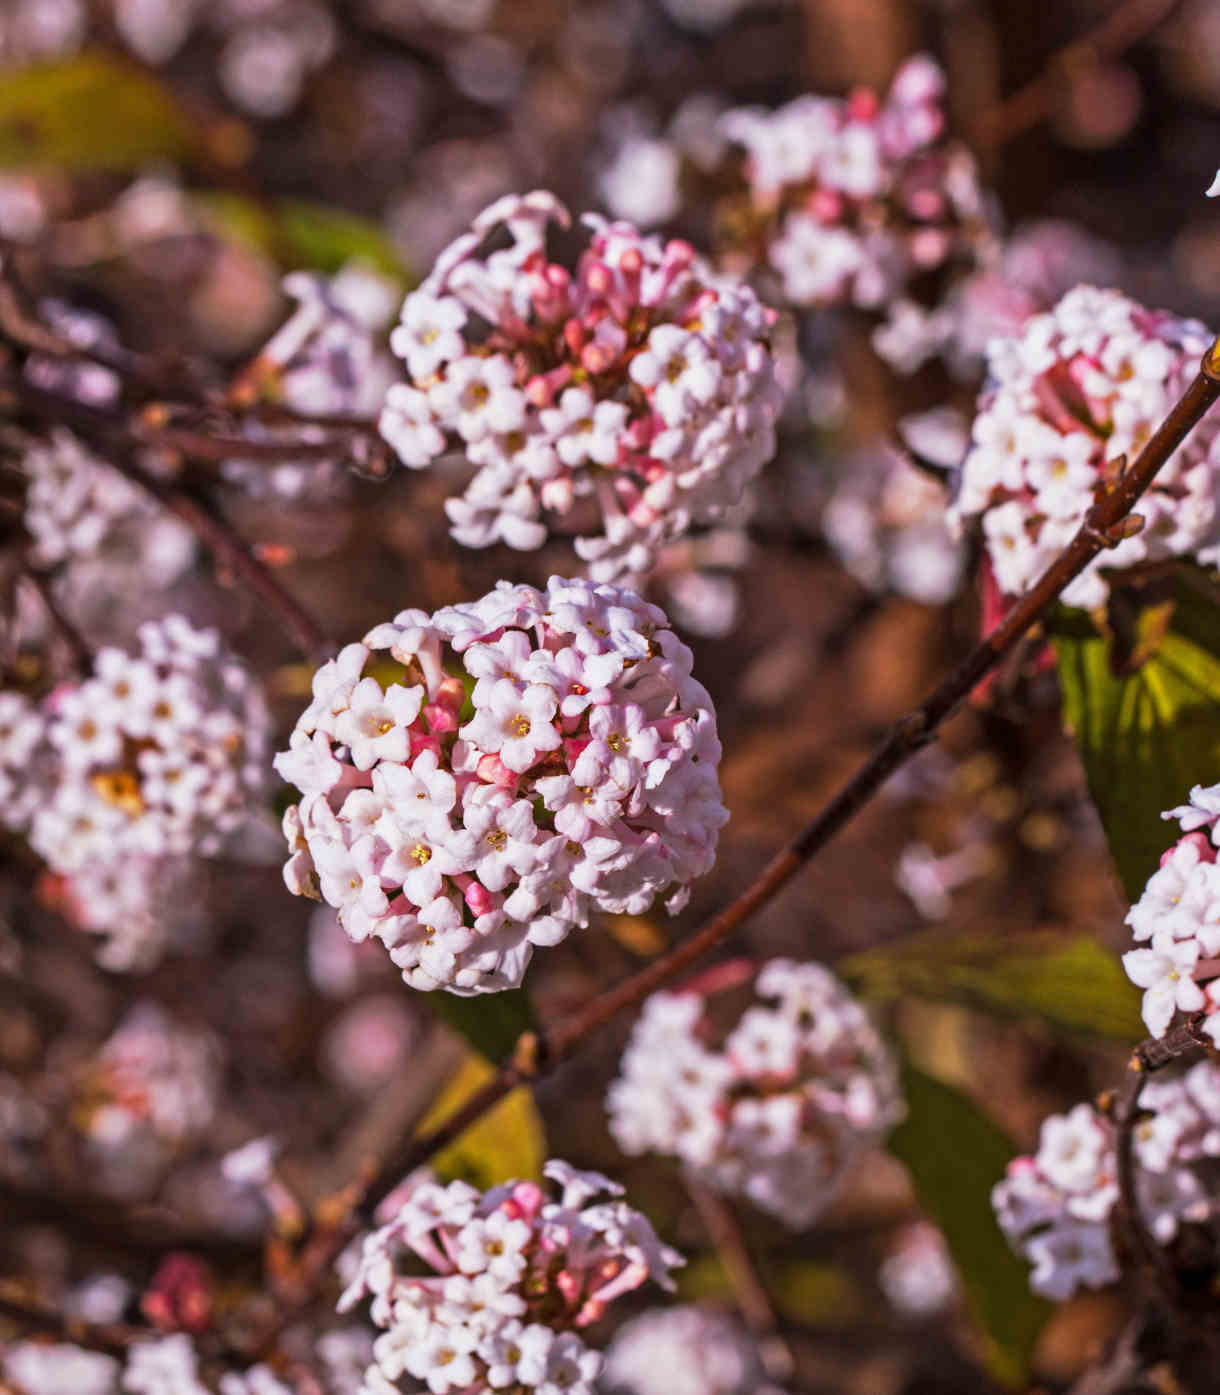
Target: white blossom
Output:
[(780, 1111)]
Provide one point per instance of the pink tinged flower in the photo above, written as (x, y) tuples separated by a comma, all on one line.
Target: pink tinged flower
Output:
[(480, 396), (429, 334), (374, 727), (1164, 972), (420, 793), (1203, 811), (583, 429), (1214, 188), (419, 860), (1070, 1255), (411, 426), (517, 725), (503, 835), (1074, 1148), (678, 369)]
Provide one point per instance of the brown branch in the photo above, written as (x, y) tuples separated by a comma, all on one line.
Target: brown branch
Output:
[(1102, 528), (82, 655), (1126, 24), (723, 1230), (1151, 1055), (119, 446), (38, 1318)]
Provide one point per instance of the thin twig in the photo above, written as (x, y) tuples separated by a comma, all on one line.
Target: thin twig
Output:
[(723, 1230), (1150, 1056), (1122, 28), (82, 655), (34, 1316), (119, 446), (1102, 528)]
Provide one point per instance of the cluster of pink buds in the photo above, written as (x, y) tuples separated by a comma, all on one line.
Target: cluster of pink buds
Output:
[(779, 1109), (623, 400), (848, 200), (1082, 388), (514, 1273), (158, 753), (1179, 917), (1055, 1207), (477, 780)]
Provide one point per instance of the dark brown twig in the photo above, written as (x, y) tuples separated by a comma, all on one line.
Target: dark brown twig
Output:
[(82, 655), (36, 1317), (1125, 25), (1150, 1056), (1102, 528), (119, 446), (723, 1230)]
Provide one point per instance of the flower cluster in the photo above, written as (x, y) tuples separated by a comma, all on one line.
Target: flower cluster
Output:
[(1179, 915), (76, 507), (1055, 1206), (135, 905), (1081, 387), (886, 521), (780, 1110), (638, 389), (161, 1366), (477, 780), (848, 200), (684, 1351), (152, 1088), (157, 754), (514, 1273), (1023, 276), (917, 1275)]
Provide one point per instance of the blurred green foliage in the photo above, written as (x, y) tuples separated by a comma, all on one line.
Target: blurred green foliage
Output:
[(955, 1155), (1074, 983)]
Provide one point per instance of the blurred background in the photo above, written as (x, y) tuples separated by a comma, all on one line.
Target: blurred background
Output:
[(165, 162)]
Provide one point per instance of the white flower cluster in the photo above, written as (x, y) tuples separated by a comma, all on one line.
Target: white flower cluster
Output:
[(849, 199), (780, 1110), (135, 906), (917, 1275), (151, 1075), (514, 1272), (76, 507), (1179, 915), (639, 388), (1055, 1206), (72, 499), (476, 781), (161, 1366), (886, 521), (1022, 276), (684, 1351), (1081, 386), (157, 754)]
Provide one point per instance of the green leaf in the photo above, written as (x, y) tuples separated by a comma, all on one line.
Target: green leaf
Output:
[(814, 1294), (506, 1143), (317, 235), (490, 1022), (90, 112), (299, 234), (955, 1155), (1071, 983), (1145, 736)]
